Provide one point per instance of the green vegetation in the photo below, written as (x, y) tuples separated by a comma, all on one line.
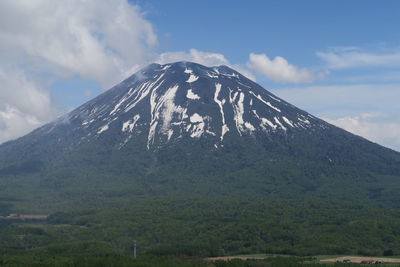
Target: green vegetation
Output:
[(336, 195), (181, 228)]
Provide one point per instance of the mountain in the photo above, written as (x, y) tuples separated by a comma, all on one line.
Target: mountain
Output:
[(205, 142), (165, 103), (188, 120)]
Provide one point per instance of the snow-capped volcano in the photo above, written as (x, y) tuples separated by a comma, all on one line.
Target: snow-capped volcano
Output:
[(183, 99), (184, 127)]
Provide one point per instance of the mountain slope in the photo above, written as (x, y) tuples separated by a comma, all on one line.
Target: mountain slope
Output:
[(183, 127), (193, 160), (167, 102)]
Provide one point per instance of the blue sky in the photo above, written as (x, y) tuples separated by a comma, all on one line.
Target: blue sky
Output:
[(339, 60)]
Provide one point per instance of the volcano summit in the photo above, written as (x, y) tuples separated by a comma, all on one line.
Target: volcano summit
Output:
[(169, 102)]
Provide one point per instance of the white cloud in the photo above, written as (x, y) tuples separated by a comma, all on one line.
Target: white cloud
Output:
[(379, 128), (368, 110), (14, 123), (372, 76), (204, 58), (334, 99), (44, 40), (279, 69), (355, 58), (194, 55), (23, 105), (100, 40)]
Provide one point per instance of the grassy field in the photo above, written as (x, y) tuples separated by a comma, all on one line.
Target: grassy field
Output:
[(318, 259)]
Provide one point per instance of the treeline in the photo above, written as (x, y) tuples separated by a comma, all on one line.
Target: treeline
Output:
[(215, 227)]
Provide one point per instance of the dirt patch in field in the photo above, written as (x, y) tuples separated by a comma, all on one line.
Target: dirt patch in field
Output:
[(360, 259), (24, 217), (228, 258)]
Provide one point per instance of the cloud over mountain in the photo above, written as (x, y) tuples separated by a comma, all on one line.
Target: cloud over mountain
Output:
[(280, 70), (205, 58), (42, 41), (379, 128), (353, 57)]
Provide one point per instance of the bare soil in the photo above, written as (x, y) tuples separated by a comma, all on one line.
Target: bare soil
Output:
[(357, 259), (228, 258)]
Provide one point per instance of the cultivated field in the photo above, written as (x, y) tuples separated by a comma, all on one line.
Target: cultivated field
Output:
[(359, 259), (228, 258), (322, 259)]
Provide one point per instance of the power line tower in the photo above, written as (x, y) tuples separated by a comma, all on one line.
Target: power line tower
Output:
[(134, 249)]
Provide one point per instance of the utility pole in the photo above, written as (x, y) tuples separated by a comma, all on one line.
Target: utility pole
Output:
[(134, 249)]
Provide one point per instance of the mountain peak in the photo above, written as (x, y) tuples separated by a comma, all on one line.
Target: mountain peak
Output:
[(189, 67), (188, 100)]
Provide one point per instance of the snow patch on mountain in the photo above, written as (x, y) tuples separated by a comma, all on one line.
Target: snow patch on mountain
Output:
[(280, 124), (288, 121), (265, 121), (126, 97), (212, 74), (249, 126), (221, 103), (192, 78), (103, 129), (195, 118), (274, 98), (130, 124), (144, 90), (303, 119), (265, 102), (192, 95), (197, 128), (169, 107), (87, 122)]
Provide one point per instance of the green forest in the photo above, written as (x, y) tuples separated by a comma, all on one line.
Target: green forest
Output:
[(189, 229)]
